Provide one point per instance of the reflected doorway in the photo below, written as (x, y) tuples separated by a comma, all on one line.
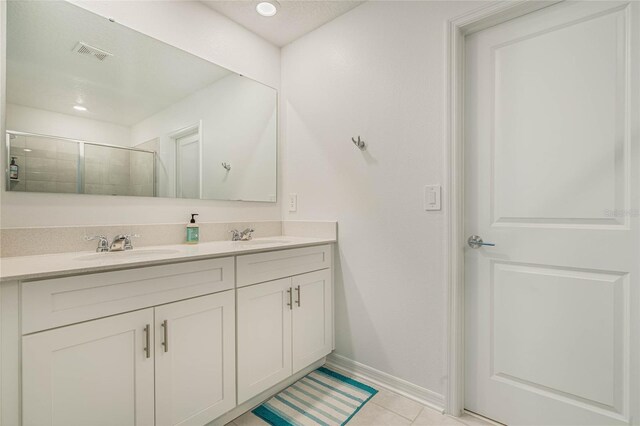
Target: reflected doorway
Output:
[(188, 162)]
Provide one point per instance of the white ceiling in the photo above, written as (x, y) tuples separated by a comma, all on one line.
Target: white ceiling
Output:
[(142, 77), (294, 19)]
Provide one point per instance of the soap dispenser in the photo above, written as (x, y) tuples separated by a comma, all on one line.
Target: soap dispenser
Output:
[(193, 230)]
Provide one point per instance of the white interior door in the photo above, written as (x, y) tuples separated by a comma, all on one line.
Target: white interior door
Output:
[(264, 336), (312, 325), (195, 359), (94, 373), (188, 166), (551, 177)]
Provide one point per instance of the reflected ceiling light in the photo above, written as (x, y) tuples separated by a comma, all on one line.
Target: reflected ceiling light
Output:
[(79, 108), (267, 8), (27, 150)]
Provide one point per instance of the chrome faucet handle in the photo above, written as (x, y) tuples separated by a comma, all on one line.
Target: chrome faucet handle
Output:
[(127, 240), (235, 235), (103, 242)]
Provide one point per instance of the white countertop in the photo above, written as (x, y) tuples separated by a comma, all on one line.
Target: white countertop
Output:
[(22, 268)]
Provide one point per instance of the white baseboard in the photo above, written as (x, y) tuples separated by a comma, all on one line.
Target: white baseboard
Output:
[(387, 381)]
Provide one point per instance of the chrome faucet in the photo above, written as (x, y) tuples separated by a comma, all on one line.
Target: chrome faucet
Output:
[(242, 236), (120, 243)]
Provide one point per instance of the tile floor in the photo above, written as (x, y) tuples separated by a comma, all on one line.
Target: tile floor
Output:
[(387, 409)]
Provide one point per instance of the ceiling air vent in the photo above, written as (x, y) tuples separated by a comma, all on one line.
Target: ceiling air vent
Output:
[(88, 50)]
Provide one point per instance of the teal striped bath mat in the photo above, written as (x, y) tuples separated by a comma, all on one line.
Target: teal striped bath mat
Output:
[(322, 397)]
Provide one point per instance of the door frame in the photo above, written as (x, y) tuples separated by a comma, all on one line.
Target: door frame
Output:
[(456, 30)]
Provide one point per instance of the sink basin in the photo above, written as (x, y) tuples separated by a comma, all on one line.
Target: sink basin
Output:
[(129, 254)]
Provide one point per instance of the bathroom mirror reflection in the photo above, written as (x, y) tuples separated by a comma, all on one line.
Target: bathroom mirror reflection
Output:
[(94, 107)]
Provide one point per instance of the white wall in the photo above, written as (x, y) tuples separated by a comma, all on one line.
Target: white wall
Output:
[(195, 28), (238, 117), (34, 120), (378, 72)]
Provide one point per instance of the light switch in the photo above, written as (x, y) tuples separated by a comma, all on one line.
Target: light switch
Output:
[(293, 202), (432, 197)]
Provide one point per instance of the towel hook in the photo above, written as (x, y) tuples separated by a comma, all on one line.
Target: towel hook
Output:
[(226, 166), (359, 143)]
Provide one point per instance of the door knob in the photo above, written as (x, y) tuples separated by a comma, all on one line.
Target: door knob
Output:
[(475, 242)]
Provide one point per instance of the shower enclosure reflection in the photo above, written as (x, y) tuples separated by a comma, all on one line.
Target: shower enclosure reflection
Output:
[(54, 164)]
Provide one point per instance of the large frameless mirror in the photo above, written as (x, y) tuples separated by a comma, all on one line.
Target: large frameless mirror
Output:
[(94, 107)]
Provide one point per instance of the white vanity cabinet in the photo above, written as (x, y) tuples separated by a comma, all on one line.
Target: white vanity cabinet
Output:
[(169, 364), (264, 337), (195, 360), (286, 324), (312, 325), (94, 373), (102, 372), (185, 343)]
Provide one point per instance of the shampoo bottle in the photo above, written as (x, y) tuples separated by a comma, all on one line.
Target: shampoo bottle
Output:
[(193, 230), (13, 169)]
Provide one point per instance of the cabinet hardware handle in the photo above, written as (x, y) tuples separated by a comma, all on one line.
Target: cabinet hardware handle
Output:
[(299, 292), (290, 304), (147, 340), (165, 335)]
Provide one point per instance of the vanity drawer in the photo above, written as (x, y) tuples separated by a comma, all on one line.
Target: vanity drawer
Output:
[(62, 301), (260, 267)]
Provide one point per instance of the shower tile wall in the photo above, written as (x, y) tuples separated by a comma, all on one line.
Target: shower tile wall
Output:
[(107, 170), (142, 169), (46, 165), (141, 176), (51, 165)]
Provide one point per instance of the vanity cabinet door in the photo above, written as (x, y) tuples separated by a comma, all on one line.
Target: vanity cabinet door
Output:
[(264, 336), (94, 373), (312, 318), (195, 359)]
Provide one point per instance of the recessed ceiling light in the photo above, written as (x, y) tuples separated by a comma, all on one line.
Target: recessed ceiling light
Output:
[(267, 8), (79, 108)]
